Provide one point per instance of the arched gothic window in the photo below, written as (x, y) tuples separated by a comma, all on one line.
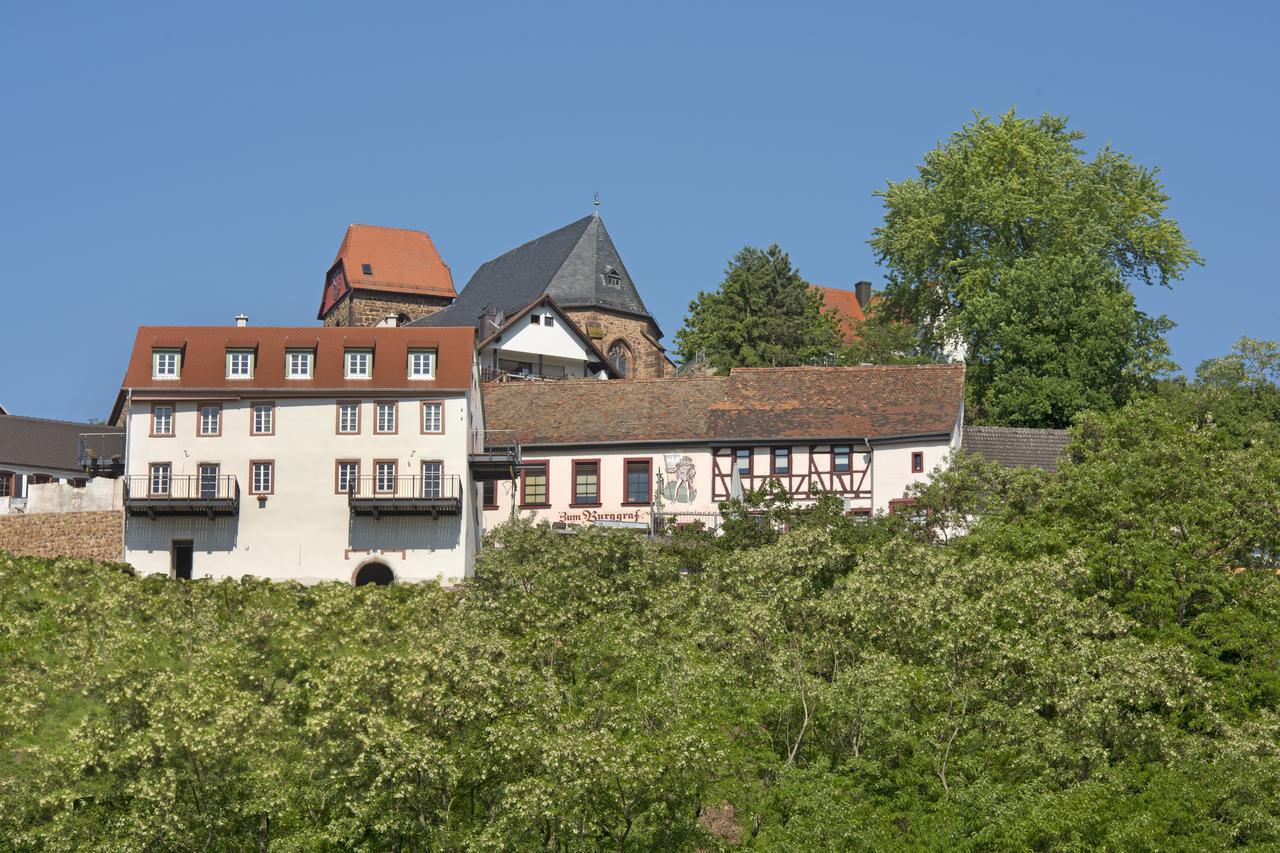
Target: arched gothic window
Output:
[(620, 358)]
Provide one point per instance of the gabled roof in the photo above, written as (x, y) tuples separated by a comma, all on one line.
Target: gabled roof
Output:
[(44, 444), (843, 304), (1017, 447), (573, 264), (400, 261), (761, 403), (204, 360)]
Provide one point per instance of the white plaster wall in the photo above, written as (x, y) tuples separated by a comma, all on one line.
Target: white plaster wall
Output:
[(100, 493), (556, 341), (891, 467), (612, 483), (890, 476), (304, 530)]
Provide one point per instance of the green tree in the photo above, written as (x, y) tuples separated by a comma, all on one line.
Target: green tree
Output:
[(1015, 249), (763, 314)]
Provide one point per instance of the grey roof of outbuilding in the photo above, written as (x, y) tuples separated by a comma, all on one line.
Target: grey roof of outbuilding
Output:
[(47, 445), (1017, 447), (569, 264)]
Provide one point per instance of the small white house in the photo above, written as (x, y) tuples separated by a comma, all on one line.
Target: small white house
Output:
[(306, 454), (539, 342)]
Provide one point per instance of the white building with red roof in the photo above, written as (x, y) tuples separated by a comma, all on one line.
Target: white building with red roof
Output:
[(302, 453)]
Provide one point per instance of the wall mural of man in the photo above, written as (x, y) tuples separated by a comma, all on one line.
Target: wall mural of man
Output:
[(680, 473)]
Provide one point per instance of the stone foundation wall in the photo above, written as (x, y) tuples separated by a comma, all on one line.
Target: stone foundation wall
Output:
[(364, 308), (648, 361), (91, 535)]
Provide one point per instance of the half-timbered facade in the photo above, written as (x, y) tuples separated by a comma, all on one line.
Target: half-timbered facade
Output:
[(619, 453), (305, 453)]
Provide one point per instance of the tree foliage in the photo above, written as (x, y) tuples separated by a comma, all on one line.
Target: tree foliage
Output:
[(763, 314), (1015, 248), (1093, 663)]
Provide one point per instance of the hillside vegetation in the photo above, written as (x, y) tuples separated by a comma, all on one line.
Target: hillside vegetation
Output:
[(1097, 663)]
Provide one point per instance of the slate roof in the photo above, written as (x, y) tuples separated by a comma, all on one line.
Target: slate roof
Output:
[(762, 403), (46, 444), (570, 264), (1017, 447)]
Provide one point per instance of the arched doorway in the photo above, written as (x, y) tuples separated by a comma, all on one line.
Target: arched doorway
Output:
[(374, 573), (620, 357)]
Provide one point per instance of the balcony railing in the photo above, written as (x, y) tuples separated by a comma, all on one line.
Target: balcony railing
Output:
[(496, 374), (188, 494), (397, 494), (101, 454), (495, 454)]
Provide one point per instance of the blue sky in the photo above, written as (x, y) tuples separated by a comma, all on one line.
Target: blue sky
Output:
[(179, 164)]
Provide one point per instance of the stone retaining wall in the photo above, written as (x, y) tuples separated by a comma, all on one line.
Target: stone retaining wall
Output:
[(91, 535)]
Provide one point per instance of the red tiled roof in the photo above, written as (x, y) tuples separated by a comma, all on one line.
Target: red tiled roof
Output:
[(749, 403), (844, 305), (402, 261), (204, 351)]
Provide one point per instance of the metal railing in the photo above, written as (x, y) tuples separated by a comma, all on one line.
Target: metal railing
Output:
[(497, 374), (495, 441), (101, 452), (182, 487), (401, 487)]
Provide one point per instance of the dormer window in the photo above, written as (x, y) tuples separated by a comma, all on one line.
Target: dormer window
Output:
[(358, 364), (164, 364), (298, 363), (367, 269), (612, 278), (422, 364), (239, 364)]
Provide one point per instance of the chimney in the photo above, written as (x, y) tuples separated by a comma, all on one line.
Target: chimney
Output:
[(862, 290), (242, 320)]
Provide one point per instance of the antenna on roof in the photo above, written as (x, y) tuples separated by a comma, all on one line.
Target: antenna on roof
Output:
[(597, 204)]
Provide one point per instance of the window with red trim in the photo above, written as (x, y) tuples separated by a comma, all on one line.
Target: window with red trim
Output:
[(917, 462), (533, 485)]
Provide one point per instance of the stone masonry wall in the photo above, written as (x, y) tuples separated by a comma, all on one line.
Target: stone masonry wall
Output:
[(91, 535), (366, 308), (648, 360)]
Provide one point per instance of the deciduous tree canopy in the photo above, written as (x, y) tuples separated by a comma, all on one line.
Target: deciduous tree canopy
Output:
[(1094, 663), (1017, 250)]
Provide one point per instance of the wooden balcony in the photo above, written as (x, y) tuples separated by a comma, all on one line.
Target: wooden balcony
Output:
[(495, 455), (405, 495), (182, 495)]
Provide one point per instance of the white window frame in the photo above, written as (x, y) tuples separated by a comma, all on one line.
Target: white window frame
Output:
[(233, 362), (165, 472), (256, 483), (167, 376), (217, 419), (168, 419), (437, 479), (414, 372), (379, 409), (270, 409), (309, 360), (354, 467), (349, 359), (378, 469), (342, 409), (438, 407)]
